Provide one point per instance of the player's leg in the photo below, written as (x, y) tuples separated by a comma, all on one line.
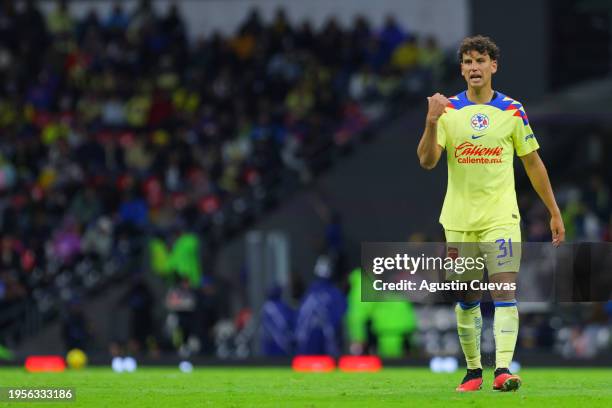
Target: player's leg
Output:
[(503, 263), (467, 311), (469, 328), (505, 330)]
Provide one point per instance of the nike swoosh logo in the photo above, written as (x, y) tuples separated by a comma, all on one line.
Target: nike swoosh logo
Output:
[(507, 331), (477, 137), (502, 263)]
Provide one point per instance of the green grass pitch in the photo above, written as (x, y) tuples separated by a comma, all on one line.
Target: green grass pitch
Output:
[(277, 387)]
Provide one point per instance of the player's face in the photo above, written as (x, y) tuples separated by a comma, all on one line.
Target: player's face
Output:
[(477, 69)]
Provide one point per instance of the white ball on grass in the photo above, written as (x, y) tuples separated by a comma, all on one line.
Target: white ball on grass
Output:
[(129, 364), (186, 366), (117, 364), (450, 364), (436, 364)]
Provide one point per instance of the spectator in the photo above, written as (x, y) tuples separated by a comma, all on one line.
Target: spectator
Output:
[(391, 36), (319, 317), (406, 55), (384, 328), (75, 328), (139, 300), (431, 59), (60, 21), (117, 20), (277, 325)]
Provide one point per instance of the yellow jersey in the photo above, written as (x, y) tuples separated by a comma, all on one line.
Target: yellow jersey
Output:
[(480, 141)]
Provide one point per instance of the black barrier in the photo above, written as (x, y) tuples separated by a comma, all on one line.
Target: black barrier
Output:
[(440, 272)]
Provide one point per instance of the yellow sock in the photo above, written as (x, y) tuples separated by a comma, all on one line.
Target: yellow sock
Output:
[(505, 330), (469, 327)]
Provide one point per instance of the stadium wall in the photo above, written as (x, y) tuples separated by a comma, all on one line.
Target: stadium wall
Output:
[(522, 34)]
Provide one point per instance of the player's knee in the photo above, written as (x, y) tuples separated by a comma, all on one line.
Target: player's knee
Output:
[(502, 295), (469, 296)]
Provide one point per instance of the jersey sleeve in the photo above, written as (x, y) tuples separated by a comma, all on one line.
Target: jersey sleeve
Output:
[(523, 138), (441, 131)]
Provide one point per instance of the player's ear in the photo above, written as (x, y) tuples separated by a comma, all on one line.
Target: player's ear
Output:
[(493, 66)]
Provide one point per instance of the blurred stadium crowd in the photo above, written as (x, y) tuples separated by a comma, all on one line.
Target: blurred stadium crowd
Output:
[(129, 148), (118, 128)]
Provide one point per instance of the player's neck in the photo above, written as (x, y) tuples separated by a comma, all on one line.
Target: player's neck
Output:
[(480, 96)]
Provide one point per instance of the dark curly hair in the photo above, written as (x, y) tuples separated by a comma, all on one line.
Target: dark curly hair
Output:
[(482, 44)]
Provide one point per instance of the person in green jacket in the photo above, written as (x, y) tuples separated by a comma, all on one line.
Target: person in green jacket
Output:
[(392, 323)]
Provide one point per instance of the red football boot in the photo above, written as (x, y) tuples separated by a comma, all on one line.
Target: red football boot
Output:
[(472, 381), (505, 380)]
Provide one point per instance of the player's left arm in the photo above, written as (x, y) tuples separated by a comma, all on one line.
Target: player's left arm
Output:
[(541, 184)]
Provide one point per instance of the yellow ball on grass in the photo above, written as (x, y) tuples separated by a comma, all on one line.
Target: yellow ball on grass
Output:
[(76, 359)]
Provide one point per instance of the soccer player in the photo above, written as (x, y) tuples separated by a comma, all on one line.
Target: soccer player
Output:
[(480, 129)]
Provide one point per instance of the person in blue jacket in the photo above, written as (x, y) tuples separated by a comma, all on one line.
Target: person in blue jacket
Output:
[(278, 325), (320, 315)]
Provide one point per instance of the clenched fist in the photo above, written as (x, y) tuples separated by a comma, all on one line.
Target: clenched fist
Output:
[(437, 104)]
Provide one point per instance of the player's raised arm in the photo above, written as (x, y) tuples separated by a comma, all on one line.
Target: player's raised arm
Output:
[(541, 184), (429, 150)]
